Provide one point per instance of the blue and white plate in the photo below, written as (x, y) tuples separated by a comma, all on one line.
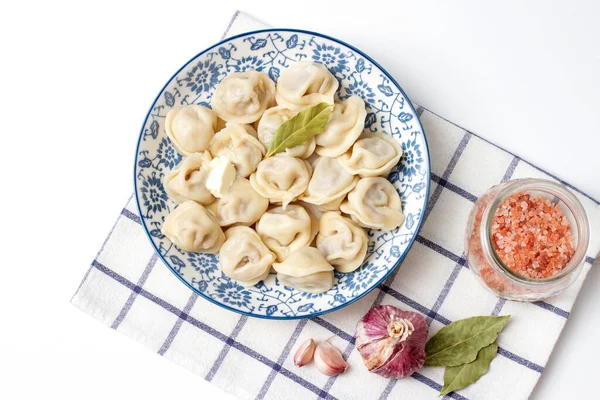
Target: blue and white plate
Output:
[(271, 51)]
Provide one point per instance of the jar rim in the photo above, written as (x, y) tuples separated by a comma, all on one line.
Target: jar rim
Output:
[(551, 188)]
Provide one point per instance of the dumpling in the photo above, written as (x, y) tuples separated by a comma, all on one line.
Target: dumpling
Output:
[(193, 229), (285, 231), (244, 150), (243, 97), (305, 84), (342, 242), (346, 123), (190, 128), (240, 205), (374, 203), (187, 181), (250, 130), (281, 179), (329, 184), (307, 270), (373, 155), (271, 120), (244, 257)]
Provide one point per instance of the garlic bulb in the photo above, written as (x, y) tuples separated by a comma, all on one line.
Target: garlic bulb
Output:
[(391, 341)]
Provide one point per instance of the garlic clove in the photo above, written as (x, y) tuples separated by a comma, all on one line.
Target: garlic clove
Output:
[(305, 353), (329, 360)]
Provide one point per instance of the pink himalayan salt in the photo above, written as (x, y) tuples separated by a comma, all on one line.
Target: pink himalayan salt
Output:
[(532, 236)]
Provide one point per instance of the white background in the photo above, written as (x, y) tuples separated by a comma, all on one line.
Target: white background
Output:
[(76, 81)]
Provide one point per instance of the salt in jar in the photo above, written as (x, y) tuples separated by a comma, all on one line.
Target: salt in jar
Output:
[(526, 239)]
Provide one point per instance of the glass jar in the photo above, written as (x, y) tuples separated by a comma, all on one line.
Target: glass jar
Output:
[(487, 265)]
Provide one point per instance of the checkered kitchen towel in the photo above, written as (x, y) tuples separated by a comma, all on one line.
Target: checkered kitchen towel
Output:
[(251, 358)]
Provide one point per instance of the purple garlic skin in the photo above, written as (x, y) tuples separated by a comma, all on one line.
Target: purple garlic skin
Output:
[(391, 341)]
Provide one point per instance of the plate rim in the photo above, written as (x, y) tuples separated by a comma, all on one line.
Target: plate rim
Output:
[(270, 317)]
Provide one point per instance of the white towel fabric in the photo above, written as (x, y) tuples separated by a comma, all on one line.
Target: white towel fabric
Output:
[(252, 358)]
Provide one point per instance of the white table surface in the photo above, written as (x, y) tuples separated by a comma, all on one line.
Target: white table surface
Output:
[(77, 80)]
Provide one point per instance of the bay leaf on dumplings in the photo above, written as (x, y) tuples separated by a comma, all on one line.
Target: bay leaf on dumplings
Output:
[(300, 128), (461, 376), (460, 342)]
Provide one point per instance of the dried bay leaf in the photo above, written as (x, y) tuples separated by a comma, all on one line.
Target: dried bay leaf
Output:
[(461, 376), (300, 129), (460, 342)]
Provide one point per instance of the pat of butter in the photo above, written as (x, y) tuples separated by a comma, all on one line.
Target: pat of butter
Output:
[(220, 177)]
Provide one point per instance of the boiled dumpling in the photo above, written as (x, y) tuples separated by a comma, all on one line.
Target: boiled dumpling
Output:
[(346, 123), (307, 270), (193, 229), (240, 205), (243, 97), (285, 231), (244, 257), (281, 179), (342, 242), (373, 155), (329, 184), (250, 130), (187, 181), (305, 84), (374, 203), (272, 119), (244, 150), (190, 128)]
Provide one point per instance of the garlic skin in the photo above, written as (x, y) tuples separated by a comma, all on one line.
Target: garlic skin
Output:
[(305, 353), (391, 341), (329, 360)]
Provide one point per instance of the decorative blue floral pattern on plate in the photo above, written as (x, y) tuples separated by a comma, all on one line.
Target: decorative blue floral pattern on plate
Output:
[(271, 51)]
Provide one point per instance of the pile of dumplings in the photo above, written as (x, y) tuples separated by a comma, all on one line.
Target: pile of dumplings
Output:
[(302, 212)]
